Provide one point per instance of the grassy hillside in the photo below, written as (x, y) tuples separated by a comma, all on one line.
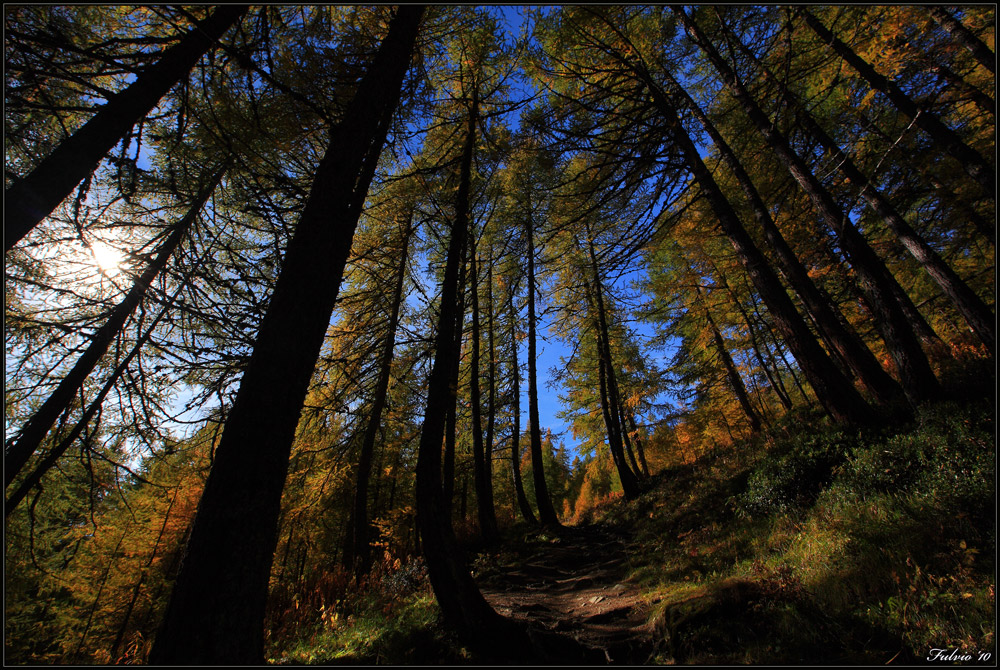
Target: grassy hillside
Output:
[(814, 547)]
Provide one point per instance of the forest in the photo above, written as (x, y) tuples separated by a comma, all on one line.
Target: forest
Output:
[(412, 334)]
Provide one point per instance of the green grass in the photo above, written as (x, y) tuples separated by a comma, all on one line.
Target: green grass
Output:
[(821, 547), (826, 547)]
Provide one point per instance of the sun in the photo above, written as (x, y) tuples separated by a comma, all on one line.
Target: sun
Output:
[(107, 258)]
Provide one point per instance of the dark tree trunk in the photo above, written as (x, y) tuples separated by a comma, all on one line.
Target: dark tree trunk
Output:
[(919, 382), (641, 452), (546, 512), (484, 490), (834, 390), (515, 439), (842, 340), (491, 373), (450, 436), (606, 374), (38, 426), (975, 311), (33, 197), (769, 367), (216, 610), (361, 551), (735, 381), (964, 36), (943, 136), (462, 604)]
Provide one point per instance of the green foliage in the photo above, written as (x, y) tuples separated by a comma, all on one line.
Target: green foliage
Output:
[(949, 456), (394, 621), (795, 471), (882, 552)]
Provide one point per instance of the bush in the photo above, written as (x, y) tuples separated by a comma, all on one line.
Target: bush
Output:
[(949, 457), (794, 473)]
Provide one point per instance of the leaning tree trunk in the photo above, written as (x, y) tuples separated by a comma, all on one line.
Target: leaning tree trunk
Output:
[(834, 390), (735, 381), (55, 453), (491, 374), (361, 541), (972, 308), (451, 419), (627, 476), (462, 604), (843, 341), (918, 380), (546, 512), (216, 610), (964, 36), (971, 160), (31, 198), (38, 426)]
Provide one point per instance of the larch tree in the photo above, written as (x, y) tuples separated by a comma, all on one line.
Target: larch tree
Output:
[(216, 608)]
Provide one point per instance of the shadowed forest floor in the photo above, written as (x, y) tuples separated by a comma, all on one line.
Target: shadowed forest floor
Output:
[(573, 581), (820, 547)]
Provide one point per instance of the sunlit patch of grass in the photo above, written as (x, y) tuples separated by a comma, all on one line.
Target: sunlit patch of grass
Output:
[(405, 634), (880, 549)]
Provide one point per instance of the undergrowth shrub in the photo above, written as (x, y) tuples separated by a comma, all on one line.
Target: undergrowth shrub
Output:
[(794, 473), (949, 457)]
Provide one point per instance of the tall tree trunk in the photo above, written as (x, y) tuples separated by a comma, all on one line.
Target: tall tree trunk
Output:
[(972, 308), (641, 452), (491, 373), (627, 476), (462, 604), (735, 381), (31, 198), (515, 439), (484, 490), (216, 610), (769, 367), (835, 391), (38, 426), (451, 419), (546, 512), (964, 36), (918, 380), (361, 525), (944, 137), (838, 336)]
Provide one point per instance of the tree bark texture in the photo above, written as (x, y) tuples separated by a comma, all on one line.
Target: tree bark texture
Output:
[(964, 36), (918, 380), (216, 610)]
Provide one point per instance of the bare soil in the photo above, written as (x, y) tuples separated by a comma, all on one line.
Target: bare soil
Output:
[(570, 586)]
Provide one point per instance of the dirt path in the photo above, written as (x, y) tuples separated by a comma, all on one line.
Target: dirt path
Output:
[(573, 582)]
